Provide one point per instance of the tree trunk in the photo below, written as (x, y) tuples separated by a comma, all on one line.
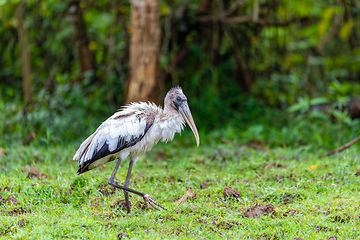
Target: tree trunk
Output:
[(85, 56), (24, 50), (143, 83)]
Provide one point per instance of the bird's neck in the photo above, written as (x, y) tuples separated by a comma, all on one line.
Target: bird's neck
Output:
[(171, 122), (169, 114), (168, 109)]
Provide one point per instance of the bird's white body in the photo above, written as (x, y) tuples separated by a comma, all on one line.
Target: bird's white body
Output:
[(135, 129), (143, 123)]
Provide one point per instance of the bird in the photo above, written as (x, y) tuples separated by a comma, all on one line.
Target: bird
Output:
[(133, 130)]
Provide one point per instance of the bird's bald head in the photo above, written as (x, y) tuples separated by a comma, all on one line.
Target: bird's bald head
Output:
[(176, 103), (174, 98)]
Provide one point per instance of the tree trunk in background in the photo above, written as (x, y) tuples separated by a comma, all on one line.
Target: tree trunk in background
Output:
[(24, 49), (85, 56), (143, 82)]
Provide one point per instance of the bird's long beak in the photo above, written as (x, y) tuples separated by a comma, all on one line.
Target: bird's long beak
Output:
[(185, 112)]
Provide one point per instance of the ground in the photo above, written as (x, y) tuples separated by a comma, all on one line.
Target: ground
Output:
[(211, 192)]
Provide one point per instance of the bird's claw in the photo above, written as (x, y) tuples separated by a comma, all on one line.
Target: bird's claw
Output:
[(152, 202)]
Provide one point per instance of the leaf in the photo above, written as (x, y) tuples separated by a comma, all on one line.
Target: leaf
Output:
[(328, 13), (92, 45), (313, 167), (319, 100), (322, 26), (122, 9), (254, 39), (325, 22), (346, 29), (4, 2), (164, 10), (189, 194), (339, 115), (303, 105)]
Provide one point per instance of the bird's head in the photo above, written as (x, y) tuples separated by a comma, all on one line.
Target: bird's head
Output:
[(176, 101)]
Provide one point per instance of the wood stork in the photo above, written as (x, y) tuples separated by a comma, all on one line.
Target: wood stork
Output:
[(133, 130)]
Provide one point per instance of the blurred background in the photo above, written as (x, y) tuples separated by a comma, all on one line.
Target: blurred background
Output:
[(271, 72)]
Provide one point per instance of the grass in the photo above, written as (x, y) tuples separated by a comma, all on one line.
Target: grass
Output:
[(313, 198)]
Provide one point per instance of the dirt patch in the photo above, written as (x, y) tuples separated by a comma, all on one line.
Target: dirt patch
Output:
[(222, 224), (5, 230), (120, 204), (288, 213), (34, 172), (341, 219), (274, 165), (205, 184), (142, 205), (11, 200), (123, 235), (268, 237), (16, 211), (357, 173), (333, 237), (230, 192), (287, 199), (170, 179), (21, 223), (260, 209), (298, 238), (175, 231), (257, 176), (329, 174), (170, 218), (6, 188), (106, 189), (202, 220)]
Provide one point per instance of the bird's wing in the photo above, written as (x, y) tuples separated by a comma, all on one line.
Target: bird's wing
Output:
[(120, 131)]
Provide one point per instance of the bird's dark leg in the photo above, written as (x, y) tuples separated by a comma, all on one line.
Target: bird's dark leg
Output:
[(127, 180), (146, 197)]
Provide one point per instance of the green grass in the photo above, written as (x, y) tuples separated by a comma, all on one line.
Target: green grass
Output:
[(324, 199)]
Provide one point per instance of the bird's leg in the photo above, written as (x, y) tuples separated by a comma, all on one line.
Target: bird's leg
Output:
[(127, 180), (146, 197)]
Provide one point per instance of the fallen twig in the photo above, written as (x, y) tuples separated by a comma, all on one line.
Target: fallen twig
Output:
[(340, 149), (254, 146)]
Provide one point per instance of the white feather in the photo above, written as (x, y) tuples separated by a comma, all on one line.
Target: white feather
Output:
[(130, 126)]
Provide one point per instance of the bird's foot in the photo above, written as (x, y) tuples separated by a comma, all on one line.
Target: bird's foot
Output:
[(152, 202)]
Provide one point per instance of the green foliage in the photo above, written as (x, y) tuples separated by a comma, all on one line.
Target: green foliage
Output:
[(328, 119), (294, 58), (69, 114)]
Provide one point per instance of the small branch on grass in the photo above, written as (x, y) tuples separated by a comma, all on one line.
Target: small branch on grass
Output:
[(340, 149), (254, 146)]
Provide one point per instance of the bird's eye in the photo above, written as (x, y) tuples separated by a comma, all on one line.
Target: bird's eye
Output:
[(179, 98)]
